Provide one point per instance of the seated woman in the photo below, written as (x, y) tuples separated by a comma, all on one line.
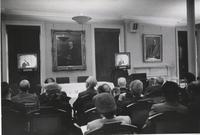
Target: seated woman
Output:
[(104, 88), (56, 98), (135, 94), (171, 91), (106, 106)]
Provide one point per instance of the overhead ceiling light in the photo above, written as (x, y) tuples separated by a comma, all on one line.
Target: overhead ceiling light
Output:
[(81, 19)]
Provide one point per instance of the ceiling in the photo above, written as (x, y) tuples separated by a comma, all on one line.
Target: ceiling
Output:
[(160, 12)]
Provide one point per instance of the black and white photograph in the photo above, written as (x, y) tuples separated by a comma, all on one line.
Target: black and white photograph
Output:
[(100, 67)]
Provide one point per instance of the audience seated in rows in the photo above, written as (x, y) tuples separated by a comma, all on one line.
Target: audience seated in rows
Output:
[(131, 96), (194, 108), (56, 98), (170, 90), (13, 114), (30, 101), (84, 100), (154, 91), (106, 106), (154, 87)]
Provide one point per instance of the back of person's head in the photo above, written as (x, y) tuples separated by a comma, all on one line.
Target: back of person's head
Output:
[(151, 82), (91, 82), (159, 81), (49, 80), (24, 85), (52, 88), (189, 77), (121, 82), (5, 89), (136, 87), (171, 91), (194, 88), (104, 88), (105, 104)]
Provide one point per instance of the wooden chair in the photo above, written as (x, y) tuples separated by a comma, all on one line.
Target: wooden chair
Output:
[(13, 122), (62, 80), (139, 112), (168, 122), (113, 128), (48, 121), (91, 114), (82, 78)]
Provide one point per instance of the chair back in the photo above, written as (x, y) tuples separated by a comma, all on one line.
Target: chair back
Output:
[(170, 122), (47, 121), (113, 128), (30, 106), (13, 122), (139, 112), (91, 114)]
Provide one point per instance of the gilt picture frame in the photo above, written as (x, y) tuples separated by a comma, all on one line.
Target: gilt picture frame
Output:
[(152, 48), (68, 50)]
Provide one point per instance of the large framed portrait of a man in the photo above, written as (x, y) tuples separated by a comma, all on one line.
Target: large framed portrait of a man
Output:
[(68, 50), (152, 48)]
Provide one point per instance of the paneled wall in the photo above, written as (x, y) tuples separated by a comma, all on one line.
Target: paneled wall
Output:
[(167, 68)]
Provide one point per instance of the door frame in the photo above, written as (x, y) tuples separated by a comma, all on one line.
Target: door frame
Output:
[(106, 26), (184, 28), (4, 55)]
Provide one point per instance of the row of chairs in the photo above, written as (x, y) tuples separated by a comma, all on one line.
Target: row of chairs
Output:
[(169, 122), (66, 79), (43, 121)]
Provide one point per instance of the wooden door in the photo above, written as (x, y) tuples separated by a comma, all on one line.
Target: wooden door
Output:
[(106, 45)]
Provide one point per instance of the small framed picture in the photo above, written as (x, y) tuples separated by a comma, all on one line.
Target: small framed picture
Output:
[(152, 48)]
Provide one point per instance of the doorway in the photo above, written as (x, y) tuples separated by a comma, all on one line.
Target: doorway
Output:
[(23, 40), (106, 45), (183, 53)]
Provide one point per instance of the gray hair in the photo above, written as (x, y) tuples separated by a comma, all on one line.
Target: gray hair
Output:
[(24, 85), (91, 82), (121, 82), (136, 86)]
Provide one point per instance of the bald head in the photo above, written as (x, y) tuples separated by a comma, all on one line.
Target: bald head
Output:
[(24, 85)]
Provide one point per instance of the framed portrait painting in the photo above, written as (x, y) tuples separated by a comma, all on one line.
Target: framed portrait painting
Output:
[(68, 50), (152, 48)]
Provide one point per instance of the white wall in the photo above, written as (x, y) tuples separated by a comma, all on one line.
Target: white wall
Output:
[(166, 68)]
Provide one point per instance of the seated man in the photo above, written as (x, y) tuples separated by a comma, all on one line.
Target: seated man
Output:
[(25, 97), (13, 114), (56, 98), (122, 85), (84, 100), (105, 105), (170, 90), (135, 94)]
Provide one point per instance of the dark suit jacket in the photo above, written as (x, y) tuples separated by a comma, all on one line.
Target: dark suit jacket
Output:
[(84, 100)]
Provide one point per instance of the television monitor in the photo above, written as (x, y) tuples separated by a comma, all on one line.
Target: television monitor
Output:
[(27, 62), (122, 60)]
